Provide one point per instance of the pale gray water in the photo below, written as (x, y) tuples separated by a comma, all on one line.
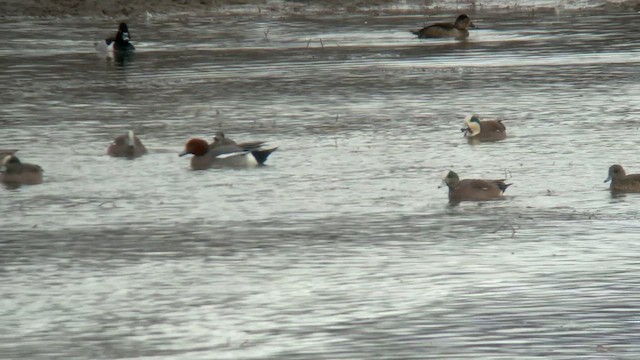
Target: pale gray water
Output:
[(344, 246)]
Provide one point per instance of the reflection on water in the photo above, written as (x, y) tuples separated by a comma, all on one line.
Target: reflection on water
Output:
[(343, 246)]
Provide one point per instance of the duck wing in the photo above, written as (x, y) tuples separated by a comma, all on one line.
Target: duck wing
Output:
[(633, 178), (487, 185), (433, 27), (222, 151), (492, 125), (251, 145), (230, 144)]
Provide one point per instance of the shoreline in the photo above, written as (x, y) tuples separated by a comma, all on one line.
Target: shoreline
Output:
[(142, 8)]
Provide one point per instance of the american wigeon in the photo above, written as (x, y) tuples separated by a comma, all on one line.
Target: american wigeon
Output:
[(473, 189), (621, 182), (485, 130), (15, 172), (221, 139), (128, 145), (459, 29), (221, 155)]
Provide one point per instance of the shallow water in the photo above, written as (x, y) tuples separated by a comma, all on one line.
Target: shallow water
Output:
[(343, 247)]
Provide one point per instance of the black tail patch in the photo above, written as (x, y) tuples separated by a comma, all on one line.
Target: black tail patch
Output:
[(262, 155), (502, 186)]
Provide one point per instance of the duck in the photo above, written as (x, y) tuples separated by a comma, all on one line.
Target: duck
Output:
[(224, 155), (473, 189), (128, 145), (485, 130), (121, 42), (15, 172), (621, 182), (459, 29)]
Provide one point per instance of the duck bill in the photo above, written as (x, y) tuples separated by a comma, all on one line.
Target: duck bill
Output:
[(472, 26), (184, 153), (466, 132), (608, 178)]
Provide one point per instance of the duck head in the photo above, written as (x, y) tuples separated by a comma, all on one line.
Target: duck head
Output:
[(615, 172), (218, 138), (197, 147), (473, 126), (463, 22), (123, 33), (7, 160), (10, 159), (450, 179)]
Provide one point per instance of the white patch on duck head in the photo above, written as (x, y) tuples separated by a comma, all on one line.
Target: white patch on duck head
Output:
[(131, 138), (468, 118), (473, 125), (444, 176)]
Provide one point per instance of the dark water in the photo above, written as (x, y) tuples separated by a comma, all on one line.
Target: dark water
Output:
[(344, 246)]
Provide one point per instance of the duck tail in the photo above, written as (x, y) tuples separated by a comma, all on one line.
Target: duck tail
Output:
[(262, 155), (502, 185)]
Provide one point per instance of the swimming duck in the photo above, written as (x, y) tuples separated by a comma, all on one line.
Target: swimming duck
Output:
[(621, 182), (473, 189), (459, 29), (128, 145), (15, 172), (223, 155), (121, 42), (485, 130)]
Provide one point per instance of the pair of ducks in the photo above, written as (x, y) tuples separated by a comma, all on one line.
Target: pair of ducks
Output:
[(483, 190), (121, 42), (475, 131), (222, 152)]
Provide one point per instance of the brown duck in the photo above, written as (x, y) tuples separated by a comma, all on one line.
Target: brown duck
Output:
[(459, 29), (473, 189), (621, 182)]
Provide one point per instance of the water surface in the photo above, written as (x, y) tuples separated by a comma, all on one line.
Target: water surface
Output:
[(343, 247)]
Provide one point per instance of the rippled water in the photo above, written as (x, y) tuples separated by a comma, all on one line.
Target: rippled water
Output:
[(343, 247)]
